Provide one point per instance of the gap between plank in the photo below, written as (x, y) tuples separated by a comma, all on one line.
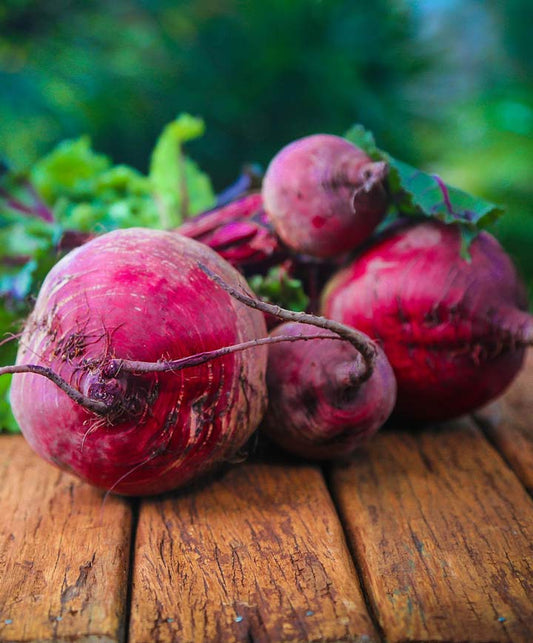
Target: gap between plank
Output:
[(135, 504), (372, 612)]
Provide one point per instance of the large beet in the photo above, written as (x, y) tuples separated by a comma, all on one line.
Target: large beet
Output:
[(139, 295), (454, 330)]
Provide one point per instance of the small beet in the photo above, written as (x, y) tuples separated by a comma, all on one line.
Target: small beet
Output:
[(323, 195), (319, 407), (454, 329)]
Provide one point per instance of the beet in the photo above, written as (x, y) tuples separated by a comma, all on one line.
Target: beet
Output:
[(139, 295), (323, 195), (318, 406), (454, 329)]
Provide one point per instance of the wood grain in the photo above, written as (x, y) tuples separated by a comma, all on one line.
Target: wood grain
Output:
[(443, 533), (63, 554), (257, 555), (509, 424)]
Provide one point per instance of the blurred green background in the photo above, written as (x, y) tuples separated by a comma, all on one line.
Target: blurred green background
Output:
[(445, 85)]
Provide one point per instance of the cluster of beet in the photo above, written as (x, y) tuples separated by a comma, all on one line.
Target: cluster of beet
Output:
[(453, 328), (155, 354)]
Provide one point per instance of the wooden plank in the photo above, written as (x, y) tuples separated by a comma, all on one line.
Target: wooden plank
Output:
[(443, 533), (256, 555), (509, 424), (63, 555)]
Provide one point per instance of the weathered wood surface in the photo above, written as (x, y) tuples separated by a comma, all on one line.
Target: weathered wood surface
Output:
[(443, 532), (257, 555), (425, 535), (63, 555), (508, 423)]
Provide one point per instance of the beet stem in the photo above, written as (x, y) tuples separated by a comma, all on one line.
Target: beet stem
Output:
[(90, 404), (360, 341), (114, 366)]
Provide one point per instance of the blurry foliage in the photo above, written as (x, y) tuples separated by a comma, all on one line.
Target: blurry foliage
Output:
[(259, 74), (444, 85), (481, 97)]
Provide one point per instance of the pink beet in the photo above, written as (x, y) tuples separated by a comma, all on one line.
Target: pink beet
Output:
[(454, 330), (323, 195), (108, 316), (319, 405)]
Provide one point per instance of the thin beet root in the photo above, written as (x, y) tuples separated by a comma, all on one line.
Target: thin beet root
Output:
[(454, 330), (361, 342), (104, 403), (95, 406), (325, 398)]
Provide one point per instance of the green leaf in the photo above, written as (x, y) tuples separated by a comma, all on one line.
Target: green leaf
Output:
[(9, 326), (181, 188), (8, 423), (67, 169), (119, 197), (363, 138), (16, 284), (277, 287), (417, 193)]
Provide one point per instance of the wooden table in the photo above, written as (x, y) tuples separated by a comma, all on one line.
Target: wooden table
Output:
[(425, 535)]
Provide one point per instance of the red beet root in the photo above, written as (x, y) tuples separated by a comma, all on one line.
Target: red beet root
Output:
[(323, 195), (318, 406), (453, 330), (139, 295)]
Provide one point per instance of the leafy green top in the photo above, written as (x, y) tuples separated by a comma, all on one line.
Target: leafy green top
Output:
[(278, 287), (417, 193), (74, 189)]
